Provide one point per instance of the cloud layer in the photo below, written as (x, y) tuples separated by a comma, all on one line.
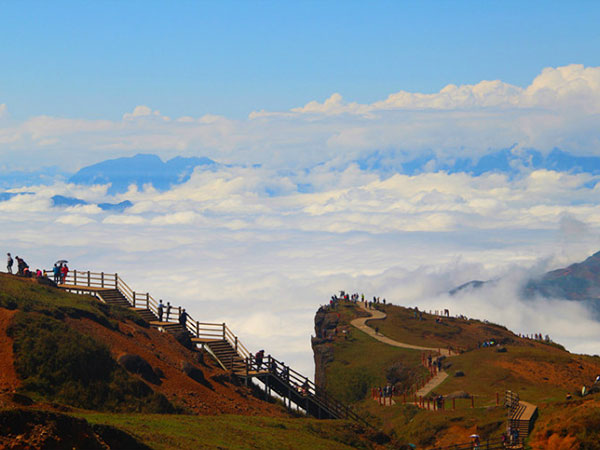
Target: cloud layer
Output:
[(225, 247), (260, 246), (560, 108)]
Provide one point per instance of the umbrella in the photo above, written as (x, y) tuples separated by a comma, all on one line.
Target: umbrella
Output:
[(474, 436), (61, 261)]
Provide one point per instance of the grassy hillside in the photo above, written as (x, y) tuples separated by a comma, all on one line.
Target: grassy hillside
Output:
[(62, 353), (237, 432), (542, 373)]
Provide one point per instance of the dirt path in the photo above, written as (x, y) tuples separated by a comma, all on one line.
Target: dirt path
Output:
[(361, 324)]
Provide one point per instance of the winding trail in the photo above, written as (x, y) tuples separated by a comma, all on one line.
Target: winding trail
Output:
[(361, 324)]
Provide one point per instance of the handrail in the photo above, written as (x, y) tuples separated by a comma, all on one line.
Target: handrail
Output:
[(307, 388), (210, 331)]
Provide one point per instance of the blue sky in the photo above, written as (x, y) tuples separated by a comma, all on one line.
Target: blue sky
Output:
[(100, 59)]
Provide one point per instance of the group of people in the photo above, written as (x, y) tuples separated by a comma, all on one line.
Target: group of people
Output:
[(60, 272), (535, 337), (22, 267), (386, 391), (164, 312), (437, 362)]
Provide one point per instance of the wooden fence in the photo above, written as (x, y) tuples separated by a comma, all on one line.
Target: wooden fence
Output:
[(92, 282)]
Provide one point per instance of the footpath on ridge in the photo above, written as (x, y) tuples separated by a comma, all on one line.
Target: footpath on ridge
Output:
[(361, 324)]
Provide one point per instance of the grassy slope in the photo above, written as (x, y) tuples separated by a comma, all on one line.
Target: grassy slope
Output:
[(361, 362), (44, 307), (234, 432), (541, 373)]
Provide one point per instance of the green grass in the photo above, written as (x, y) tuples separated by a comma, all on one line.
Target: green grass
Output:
[(60, 364), (484, 377), (401, 325), (185, 432), (362, 358), (57, 363), (25, 294), (361, 362)]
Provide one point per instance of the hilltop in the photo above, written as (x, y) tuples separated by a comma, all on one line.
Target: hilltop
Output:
[(486, 361), (579, 282), (78, 373)]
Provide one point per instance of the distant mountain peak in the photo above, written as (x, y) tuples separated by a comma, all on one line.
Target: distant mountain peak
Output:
[(140, 170)]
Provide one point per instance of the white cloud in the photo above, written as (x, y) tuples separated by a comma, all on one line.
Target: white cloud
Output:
[(244, 237), (143, 111), (558, 109), (74, 219)]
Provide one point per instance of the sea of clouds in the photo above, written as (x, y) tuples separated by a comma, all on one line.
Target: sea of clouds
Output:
[(230, 252), (243, 244)]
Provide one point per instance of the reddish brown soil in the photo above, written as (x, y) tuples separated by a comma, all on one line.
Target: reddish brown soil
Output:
[(162, 351), (569, 375), (8, 377), (454, 434), (559, 429)]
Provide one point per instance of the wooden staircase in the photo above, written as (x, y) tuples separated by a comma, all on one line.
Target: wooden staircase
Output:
[(523, 418), (521, 414), (220, 341), (116, 298), (113, 297), (227, 356)]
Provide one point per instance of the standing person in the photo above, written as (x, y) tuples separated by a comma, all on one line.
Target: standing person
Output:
[(56, 272), (160, 310), (183, 318), (168, 310), (259, 358), (64, 270), (9, 264)]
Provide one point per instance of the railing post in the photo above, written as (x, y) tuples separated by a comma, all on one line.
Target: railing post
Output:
[(224, 331), (116, 281), (89, 279), (134, 299), (236, 344), (147, 300), (197, 329), (101, 279), (74, 278)]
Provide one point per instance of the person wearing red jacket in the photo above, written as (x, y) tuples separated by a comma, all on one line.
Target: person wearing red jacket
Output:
[(64, 270)]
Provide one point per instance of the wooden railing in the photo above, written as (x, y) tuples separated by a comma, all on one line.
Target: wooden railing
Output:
[(98, 281), (304, 387)]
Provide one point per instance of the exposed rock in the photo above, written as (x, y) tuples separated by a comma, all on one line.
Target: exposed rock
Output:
[(325, 321), (194, 373), (458, 394), (37, 430), (45, 281), (20, 399), (323, 354), (183, 337), (138, 365)]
